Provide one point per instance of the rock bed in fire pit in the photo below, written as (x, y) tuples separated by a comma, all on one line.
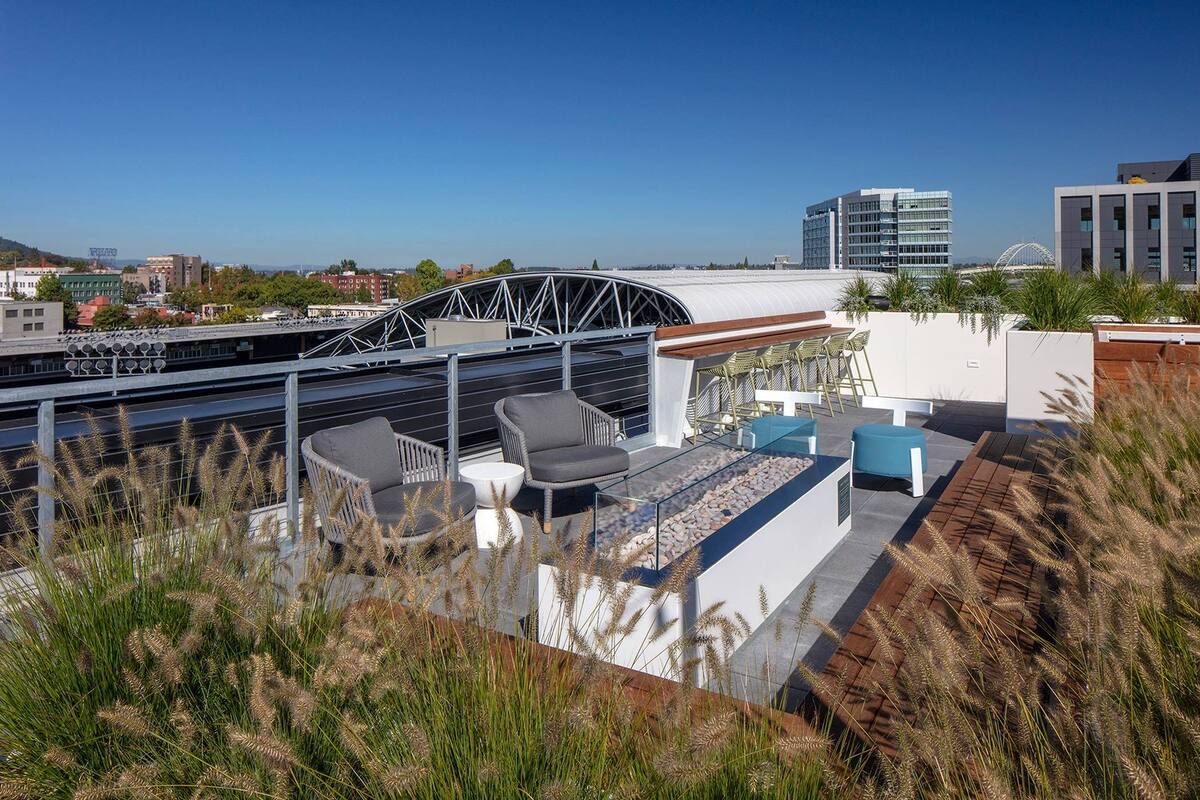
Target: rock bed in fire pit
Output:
[(701, 508)]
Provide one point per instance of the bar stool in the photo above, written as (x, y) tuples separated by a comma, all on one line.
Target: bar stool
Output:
[(835, 350), (717, 380), (772, 367), (858, 344), (742, 369), (728, 378), (808, 354)]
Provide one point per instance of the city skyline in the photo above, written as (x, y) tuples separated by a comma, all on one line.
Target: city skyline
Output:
[(555, 136)]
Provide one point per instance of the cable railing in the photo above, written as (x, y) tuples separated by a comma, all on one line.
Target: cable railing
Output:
[(443, 395)]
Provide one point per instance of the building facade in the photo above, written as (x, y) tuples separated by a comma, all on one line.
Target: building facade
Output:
[(177, 270), (1145, 223), (29, 320), (151, 281), (86, 286), (350, 283), (22, 282), (880, 229)]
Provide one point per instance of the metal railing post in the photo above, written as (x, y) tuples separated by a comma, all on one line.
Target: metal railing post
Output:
[(291, 434), (650, 423), (452, 415), (45, 511), (566, 365)]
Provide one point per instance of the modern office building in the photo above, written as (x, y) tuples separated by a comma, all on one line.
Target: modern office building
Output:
[(178, 270), (86, 286), (879, 229), (1143, 223)]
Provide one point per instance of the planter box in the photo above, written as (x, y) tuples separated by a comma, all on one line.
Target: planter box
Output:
[(773, 544), (1037, 362)]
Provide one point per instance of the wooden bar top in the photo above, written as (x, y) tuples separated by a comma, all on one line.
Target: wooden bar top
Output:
[(733, 344)]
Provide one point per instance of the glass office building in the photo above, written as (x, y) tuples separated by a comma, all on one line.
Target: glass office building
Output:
[(880, 229)]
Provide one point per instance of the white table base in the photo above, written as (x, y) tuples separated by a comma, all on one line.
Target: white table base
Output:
[(488, 526)]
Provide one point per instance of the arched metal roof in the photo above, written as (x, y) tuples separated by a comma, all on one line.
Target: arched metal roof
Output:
[(571, 301)]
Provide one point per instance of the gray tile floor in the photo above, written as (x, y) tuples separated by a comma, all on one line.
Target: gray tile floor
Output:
[(882, 510)]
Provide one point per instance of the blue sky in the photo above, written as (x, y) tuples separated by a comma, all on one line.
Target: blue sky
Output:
[(554, 134)]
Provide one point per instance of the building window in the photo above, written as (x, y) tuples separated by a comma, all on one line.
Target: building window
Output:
[(1189, 216), (1189, 259), (39, 312), (1154, 258), (10, 312), (1085, 219), (1085, 258), (27, 312), (1152, 213), (1118, 258), (39, 326), (28, 326), (1118, 220)]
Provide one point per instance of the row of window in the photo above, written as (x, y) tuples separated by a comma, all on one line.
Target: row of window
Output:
[(1153, 258), (11, 313), (1153, 220), (33, 326)]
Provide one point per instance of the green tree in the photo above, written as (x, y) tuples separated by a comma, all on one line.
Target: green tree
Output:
[(189, 298), (404, 286), (429, 276), (51, 290), (595, 264), (363, 295), (111, 318), (503, 267), (130, 291)]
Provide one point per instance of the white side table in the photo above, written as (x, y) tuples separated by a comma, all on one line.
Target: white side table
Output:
[(491, 480)]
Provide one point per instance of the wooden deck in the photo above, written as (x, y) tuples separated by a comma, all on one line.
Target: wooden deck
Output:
[(983, 483)]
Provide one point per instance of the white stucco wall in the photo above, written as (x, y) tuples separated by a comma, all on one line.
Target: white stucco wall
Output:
[(1036, 362), (939, 358)]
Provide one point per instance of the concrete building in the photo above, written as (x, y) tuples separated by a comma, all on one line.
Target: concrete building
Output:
[(23, 281), (178, 270), (151, 280), (29, 320), (464, 270), (880, 229), (349, 283), (1144, 223)]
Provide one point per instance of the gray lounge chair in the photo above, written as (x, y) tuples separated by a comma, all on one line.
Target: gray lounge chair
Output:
[(561, 441), (367, 471)]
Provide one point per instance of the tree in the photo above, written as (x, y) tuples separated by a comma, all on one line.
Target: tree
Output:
[(347, 265), (149, 318), (363, 295), (51, 290), (189, 298), (595, 264), (404, 286), (130, 291), (429, 276), (111, 318), (503, 267)]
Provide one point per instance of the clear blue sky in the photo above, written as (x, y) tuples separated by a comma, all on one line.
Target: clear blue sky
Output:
[(553, 134)]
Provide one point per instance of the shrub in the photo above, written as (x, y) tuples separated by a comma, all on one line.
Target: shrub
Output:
[(901, 289), (1051, 300), (855, 298), (950, 290), (1132, 301)]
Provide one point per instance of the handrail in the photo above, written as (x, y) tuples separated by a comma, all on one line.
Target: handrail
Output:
[(27, 394)]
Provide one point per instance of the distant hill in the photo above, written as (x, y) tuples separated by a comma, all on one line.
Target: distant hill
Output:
[(27, 251)]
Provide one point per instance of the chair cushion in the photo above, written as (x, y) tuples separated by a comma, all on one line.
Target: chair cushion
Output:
[(885, 449), (548, 420), (579, 463), (366, 449), (421, 506)]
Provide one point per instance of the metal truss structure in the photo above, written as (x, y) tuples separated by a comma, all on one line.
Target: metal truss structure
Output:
[(1025, 254), (533, 303)]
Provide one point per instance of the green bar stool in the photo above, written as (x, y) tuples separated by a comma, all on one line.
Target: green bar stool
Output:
[(741, 370), (771, 366), (835, 351), (858, 344), (808, 356), (718, 381)]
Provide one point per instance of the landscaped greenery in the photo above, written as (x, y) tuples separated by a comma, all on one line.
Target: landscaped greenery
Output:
[(1046, 300), (217, 659)]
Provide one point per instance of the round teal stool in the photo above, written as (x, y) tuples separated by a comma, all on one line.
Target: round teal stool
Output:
[(785, 434), (888, 450)]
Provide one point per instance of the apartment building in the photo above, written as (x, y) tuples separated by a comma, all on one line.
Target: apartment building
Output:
[(23, 281), (1145, 223), (177, 270), (880, 229), (151, 281), (350, 283)]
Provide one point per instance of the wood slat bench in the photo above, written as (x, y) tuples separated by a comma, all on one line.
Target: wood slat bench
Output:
[(983, 483), (734, 344)]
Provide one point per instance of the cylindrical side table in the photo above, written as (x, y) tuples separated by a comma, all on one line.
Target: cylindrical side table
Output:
[(492, 480)]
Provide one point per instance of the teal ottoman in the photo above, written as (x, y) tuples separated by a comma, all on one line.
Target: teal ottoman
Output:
[(785, 434), (888, 450)]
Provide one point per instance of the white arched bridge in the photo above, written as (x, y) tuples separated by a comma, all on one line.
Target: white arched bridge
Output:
[(1025, 254)]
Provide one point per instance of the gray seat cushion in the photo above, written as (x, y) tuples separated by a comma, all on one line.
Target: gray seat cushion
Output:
[(366, 449), (579, 463), (548, 420), (420, 507)]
